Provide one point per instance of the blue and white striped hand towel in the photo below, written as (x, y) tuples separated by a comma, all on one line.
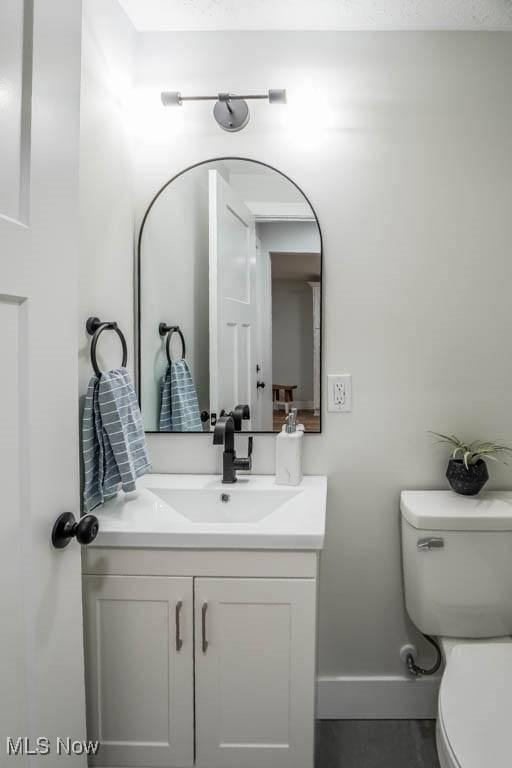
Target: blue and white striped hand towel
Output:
[(113, 441), (179, 408)]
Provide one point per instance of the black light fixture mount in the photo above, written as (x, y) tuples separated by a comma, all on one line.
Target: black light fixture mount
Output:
[(231, 111)]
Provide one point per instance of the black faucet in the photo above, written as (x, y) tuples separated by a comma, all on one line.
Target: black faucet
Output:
[(224, 434)]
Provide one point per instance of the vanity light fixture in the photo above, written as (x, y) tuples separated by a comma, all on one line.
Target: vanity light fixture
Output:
[(230, 110)]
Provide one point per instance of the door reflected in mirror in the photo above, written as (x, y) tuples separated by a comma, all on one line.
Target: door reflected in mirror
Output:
[(229, 281)]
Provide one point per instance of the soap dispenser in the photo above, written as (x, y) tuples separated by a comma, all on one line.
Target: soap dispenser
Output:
[(289, 452)]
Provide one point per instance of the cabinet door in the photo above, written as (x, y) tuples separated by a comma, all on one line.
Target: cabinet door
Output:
[(255, 672), (139, 670)]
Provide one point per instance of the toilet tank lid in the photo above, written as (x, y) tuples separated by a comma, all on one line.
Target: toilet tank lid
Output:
[(449, 511)]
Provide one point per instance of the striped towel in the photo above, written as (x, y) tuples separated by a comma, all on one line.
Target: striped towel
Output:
[(179, 408), (113, 441)]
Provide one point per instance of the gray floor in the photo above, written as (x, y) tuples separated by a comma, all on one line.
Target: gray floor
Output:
[(376, 744)]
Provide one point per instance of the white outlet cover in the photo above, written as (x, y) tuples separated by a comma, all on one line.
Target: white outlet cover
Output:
[(339, 392)]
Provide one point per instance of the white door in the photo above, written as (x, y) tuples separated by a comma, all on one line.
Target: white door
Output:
[(232, 300), (41, 667), (255, 672), (139, 650)]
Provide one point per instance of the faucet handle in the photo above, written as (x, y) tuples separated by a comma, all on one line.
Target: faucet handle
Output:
[(245, 462)]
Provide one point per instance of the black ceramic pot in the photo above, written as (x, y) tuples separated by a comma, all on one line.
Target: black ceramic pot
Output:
[(468, 481)]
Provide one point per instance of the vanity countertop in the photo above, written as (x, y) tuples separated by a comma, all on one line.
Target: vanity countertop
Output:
[(200, 512)]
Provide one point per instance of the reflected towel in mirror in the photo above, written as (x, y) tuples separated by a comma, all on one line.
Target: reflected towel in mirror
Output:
[(179, 407)]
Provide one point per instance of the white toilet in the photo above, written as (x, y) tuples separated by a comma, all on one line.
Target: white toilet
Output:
[(457, 562)]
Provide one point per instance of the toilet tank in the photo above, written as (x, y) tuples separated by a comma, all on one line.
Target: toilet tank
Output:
[(457, 562)]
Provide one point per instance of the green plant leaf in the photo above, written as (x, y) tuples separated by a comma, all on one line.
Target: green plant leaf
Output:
[(452, 440), (474, 451), (445, 438)]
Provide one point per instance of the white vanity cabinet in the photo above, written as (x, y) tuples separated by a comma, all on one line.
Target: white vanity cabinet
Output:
[(139, 669), (255, 672), (200, 658)]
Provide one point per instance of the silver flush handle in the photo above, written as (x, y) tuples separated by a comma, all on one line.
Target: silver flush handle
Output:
[(432, 542)]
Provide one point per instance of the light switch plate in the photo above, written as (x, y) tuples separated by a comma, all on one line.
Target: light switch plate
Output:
[(339, 389)]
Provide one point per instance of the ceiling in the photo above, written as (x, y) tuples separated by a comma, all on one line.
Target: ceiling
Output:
[(211, 15)]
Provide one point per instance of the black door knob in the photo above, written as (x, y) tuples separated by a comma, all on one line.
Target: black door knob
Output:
[(260, 384), (66, 528)]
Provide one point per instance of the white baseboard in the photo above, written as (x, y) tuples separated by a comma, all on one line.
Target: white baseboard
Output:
[(377, 698)]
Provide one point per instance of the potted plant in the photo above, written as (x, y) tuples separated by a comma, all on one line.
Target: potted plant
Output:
[(467, 471)]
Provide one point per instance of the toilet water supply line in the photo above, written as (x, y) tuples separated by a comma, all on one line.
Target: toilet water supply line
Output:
[(417, 671)]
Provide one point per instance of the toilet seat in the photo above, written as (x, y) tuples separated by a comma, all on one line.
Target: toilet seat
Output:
[(445, 754), (475, 707)]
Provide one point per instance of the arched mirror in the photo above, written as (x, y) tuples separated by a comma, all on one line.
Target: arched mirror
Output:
[(229, 300)]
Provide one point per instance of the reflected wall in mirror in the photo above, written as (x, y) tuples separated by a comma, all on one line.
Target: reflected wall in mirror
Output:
[(229, 300)]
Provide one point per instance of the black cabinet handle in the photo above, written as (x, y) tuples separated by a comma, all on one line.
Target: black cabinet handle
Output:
[(66, 528), (179, 641), (204, 641)]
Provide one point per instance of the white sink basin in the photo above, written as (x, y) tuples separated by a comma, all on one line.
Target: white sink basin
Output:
[(198, 511), (237, 506)]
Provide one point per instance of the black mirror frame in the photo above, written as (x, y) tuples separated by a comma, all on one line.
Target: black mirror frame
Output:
[(139, 281)]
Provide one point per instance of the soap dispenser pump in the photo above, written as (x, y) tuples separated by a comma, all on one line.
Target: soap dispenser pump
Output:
[(289, 452)]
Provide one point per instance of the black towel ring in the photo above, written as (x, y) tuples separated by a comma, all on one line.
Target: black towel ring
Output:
[(95, 328), (163, 329)]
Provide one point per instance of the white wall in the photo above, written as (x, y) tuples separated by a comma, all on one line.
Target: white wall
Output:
[(405, 152), (106, 211)]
